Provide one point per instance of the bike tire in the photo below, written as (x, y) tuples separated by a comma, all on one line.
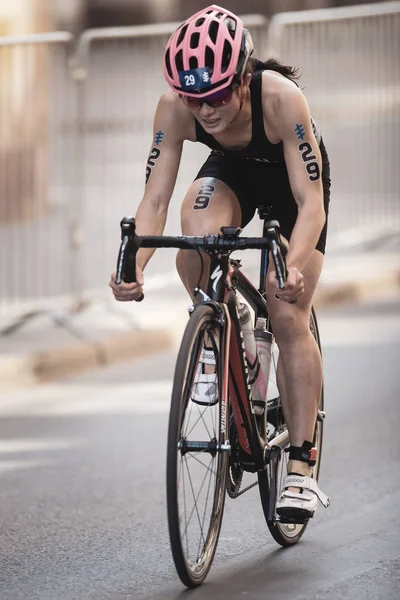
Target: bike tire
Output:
[(283, 533), (193, 569)]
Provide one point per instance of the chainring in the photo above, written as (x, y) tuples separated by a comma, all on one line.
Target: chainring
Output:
[(235, 471)]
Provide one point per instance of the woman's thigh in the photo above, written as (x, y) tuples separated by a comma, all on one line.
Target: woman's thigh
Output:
[(209, 205)]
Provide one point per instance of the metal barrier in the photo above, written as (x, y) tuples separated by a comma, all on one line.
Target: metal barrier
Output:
[(350, 60), (37, 113)]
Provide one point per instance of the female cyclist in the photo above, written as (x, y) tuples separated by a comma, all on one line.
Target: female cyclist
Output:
[(266, 150)]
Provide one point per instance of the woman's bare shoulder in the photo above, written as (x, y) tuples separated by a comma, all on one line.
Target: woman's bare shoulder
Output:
[(172, 110), (278, 90)]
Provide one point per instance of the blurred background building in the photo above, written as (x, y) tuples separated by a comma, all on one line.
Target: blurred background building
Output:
[(79, 84), (28, 16), (117, 12)]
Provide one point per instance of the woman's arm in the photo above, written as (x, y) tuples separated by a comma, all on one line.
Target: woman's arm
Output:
[(292, 122), (172, 124)]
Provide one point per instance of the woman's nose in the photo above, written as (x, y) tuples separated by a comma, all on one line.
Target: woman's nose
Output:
[(206, 110)]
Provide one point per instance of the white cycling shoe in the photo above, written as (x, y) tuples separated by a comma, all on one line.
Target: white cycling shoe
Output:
[(205, 386), (300, 505)]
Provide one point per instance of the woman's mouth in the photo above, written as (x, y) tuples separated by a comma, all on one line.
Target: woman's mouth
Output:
[(211, 122)]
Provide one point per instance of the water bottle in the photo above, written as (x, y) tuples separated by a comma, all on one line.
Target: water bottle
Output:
[(258, 347), (249, 342), (263, 339)]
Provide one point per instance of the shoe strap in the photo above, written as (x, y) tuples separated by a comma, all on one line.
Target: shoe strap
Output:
[(306, 483)]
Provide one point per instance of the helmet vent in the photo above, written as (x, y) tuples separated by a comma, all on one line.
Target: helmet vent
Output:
[(210, 58), (179, 61), (199, 22), (213, 31), (194, 40), (193, 63), (168, 62), (231, 26), (226, 56), (181, 34)]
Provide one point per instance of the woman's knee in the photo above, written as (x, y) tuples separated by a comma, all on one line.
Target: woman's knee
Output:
[(289, 322)]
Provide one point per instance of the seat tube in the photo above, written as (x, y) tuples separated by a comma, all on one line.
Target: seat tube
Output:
[(263, 264)]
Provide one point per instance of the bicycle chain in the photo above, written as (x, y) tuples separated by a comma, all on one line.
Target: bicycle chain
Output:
[(246, 489)]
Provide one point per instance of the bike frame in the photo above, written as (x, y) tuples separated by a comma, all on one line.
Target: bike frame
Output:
[(226, 277)]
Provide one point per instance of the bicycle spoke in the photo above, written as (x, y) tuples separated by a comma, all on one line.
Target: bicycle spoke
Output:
[(195, 508), (184, 506), (204, 515), (190, 455), (200, 418)]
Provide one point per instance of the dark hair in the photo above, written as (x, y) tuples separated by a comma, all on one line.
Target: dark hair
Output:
[(272, 64)]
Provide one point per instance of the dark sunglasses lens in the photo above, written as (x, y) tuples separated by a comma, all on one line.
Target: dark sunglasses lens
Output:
[(192, 102), (215, 100), (220, 98)]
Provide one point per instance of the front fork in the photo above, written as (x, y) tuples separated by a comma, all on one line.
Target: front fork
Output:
[(222, 317)]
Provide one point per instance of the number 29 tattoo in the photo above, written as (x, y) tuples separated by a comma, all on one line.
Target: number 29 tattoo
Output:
[(154, 154), (309, 159)]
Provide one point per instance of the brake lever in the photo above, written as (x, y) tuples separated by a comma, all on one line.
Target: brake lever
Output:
[(279, 252), (126, 264), (280, 265)]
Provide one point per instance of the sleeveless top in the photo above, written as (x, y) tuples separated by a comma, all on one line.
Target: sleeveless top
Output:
[(259, 149)]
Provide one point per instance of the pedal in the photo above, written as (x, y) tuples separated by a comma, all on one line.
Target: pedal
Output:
[(291, 521)]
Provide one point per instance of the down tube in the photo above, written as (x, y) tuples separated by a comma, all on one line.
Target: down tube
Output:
[(239, 389), (224, 366)]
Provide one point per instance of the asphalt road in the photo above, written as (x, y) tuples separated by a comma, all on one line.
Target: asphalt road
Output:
[(82, 468)]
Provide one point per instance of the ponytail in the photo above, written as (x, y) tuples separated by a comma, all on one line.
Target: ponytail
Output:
[(272, 64)]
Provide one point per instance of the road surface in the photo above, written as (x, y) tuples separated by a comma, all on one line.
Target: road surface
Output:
[(82, 468)]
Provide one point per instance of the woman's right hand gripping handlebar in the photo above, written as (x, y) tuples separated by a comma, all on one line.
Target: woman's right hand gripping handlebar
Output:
[(127, 292)]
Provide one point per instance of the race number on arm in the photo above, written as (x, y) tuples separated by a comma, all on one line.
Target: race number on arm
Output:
[(172, 122), (303, 161)]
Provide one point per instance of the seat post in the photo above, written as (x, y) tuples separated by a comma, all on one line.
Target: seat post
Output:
[(263, 212)]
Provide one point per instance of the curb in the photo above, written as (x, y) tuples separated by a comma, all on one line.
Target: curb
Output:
[(18, 371)]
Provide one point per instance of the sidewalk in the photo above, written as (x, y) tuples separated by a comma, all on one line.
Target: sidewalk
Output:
[(56, 345)]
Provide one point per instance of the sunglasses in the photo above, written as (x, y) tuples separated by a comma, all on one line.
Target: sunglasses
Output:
[(220, 98)]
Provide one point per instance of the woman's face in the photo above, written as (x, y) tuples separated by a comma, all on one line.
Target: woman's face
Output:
[(216, 119)]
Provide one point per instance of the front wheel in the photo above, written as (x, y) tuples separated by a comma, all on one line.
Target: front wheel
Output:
[(286, 534), (198, 451)]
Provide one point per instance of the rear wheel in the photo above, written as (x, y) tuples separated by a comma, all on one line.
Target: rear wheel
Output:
[(286, 534), (197, 455)]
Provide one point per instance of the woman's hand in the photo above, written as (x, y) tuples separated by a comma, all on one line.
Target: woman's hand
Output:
[(294, 285), (126, 292)]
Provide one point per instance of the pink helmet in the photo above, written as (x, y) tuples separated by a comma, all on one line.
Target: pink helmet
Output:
[(206, 52)]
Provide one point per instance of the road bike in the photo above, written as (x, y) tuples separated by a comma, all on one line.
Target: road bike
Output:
[(211, 445)]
